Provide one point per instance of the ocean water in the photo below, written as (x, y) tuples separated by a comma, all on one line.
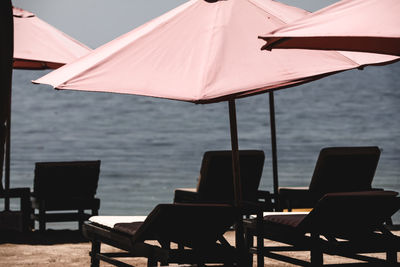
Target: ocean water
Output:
[(149, 147)]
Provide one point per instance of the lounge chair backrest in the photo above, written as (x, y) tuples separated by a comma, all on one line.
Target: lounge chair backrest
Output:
[(74, 179), (194, 225), (216, 178), (344, 169), (350, 213)]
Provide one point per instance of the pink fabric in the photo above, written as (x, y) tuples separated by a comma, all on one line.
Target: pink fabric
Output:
[(353, 25), (204, 52), (38, 45)]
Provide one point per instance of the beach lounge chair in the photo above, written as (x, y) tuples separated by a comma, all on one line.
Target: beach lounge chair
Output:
[(197, 229), (338, 169), (215, 183), (62, 191), (344, 224), (17, 220)]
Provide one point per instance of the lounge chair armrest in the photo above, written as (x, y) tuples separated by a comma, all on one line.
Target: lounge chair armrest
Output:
[(378, 189), (294, 193), (265, 199), (250, 207), (23, 192), (296, 197), (186, 195), (264, 195)]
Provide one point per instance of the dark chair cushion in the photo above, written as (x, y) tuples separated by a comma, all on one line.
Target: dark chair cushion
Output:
[(344, 169), (128, 228), (74, 179), (191, 225), (338, 169), (350, 213), (290, 220), (216, 177)]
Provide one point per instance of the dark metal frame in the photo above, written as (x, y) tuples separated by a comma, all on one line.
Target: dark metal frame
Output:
[(384, 242), (135, 245), (74, 195), (155, 254), (318, 242)]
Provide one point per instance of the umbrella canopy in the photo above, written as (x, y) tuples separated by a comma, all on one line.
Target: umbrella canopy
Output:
[(352, 25), (203, 52), (38, 45)]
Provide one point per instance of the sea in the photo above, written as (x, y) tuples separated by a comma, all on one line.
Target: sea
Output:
[(149, 146)]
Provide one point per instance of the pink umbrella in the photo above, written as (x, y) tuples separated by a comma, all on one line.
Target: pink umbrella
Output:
[(205, 52), (352, 25), (38, 45)]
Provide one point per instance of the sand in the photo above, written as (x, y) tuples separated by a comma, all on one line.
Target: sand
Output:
[(68, 248)]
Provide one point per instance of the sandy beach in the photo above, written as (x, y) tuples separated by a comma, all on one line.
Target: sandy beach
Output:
[(68, 248)]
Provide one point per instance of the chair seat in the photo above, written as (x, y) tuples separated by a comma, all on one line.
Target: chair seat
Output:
[(128, 228), (110, 221), (63, 217), (54, 204), (285, 220)]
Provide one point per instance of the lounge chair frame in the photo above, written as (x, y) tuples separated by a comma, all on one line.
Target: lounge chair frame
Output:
[(338, 169), (25, 223), (64, 190), (319, 242), (134, 244), (215, 183)]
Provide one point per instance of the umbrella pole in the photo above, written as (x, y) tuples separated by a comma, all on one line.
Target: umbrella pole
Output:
[(6, 53), (273, 148), (236, 172), (7, 163)]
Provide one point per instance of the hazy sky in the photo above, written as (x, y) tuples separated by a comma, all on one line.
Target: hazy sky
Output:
[(95, 22)]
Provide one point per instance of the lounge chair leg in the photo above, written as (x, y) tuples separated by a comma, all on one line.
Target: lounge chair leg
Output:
[(389, 221), (249, 239), (151, 262), (249, 259), (26, 213), (166, 245), (31, 218), (289, 205), (391, 256), (42, 218), (260, 251), (316, 252), (260, 241), (80, 220), (94, 261), (95, 212)]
